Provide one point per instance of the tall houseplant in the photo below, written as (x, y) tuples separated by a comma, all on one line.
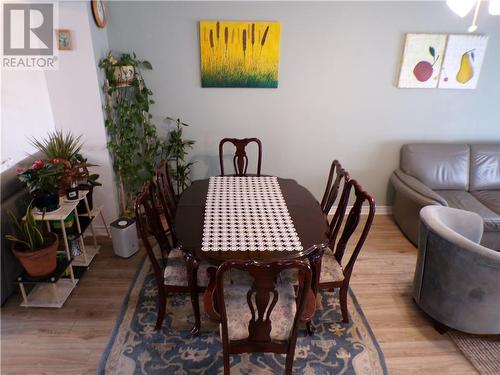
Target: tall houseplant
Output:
[(132, 138), (177, 149)]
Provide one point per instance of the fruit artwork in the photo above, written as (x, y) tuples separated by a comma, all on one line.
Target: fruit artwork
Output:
[(424, 69), (466, 71)]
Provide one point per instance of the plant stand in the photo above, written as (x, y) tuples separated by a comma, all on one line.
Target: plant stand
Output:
[(51, 291), (54, 290)]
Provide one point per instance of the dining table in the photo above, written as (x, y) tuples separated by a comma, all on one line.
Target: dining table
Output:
[(260, 218)]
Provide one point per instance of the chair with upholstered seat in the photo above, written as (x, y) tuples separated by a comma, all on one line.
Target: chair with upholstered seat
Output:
[(333, 275), (263, 315), (178, 270), (240, 158)]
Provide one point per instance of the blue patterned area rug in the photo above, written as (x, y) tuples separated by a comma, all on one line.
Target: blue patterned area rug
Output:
[(136, 348)]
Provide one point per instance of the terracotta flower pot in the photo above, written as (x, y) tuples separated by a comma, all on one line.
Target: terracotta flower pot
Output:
[(39, 263)]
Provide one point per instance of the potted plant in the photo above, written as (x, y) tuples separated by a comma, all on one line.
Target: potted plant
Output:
[(121, 71), (60, 146), (177, 149), (133, 142), (35, 250), (43, 179), (66, 147), (85, 181)]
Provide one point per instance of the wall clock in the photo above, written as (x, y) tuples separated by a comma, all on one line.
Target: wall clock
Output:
[(99, 12)]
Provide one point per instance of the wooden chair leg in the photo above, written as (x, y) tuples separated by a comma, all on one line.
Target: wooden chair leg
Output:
[(289, 362), (192, 269), (225, 357), (310, 328), (343, 303), (162, 302)]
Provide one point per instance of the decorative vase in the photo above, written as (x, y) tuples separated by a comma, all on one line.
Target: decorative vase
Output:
[(46, 201), (41, 262), (123, 75)]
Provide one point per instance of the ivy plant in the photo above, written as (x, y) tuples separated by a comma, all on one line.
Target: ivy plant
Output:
[(132, 139)]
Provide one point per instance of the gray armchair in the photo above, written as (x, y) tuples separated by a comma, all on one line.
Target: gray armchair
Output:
[(457, 281)]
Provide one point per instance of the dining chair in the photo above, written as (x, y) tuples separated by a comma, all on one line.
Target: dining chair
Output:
[(333, 273), (167, 198), (333, 186), (262, 315), (240, 158), (178, 270)]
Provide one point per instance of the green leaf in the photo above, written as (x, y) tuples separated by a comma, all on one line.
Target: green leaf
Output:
[(432, 51)]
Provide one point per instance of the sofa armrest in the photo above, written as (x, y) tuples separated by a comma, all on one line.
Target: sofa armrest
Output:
[(416, 189)]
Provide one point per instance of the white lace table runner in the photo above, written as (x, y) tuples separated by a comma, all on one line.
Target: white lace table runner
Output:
[(247, 214)]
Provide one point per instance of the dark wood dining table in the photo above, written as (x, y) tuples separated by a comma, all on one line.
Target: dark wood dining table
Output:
[(309, 221)]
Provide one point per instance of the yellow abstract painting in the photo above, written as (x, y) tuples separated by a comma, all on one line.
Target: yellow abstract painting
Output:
[(239, 54)]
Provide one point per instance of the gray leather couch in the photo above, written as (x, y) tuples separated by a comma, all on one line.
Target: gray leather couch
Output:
[(464, 176), (457, 281), (15, 198)]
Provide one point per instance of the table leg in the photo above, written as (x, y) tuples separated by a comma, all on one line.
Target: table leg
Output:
[(310, 309)]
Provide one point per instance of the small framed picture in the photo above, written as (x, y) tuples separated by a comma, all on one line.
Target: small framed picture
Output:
[(64, 40)]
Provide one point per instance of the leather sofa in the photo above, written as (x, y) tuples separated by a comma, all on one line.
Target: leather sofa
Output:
[(463, 176), (457, 280)]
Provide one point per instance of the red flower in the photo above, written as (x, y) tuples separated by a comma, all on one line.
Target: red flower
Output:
[(20, 170), (37, 164), (55, 161)]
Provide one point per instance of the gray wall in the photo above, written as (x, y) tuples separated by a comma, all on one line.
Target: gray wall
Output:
[(337, 96)]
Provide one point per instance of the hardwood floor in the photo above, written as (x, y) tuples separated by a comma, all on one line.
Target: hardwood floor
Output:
[(70, 340)]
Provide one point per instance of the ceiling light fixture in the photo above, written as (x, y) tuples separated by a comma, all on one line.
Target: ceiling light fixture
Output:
[(463, 7)]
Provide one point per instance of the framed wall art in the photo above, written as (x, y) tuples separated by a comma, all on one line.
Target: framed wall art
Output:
[(462, 61), (422, 59), (239, 53), (64, 42)]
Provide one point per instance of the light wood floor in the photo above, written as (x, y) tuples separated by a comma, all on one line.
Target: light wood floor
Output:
[(70, 340)]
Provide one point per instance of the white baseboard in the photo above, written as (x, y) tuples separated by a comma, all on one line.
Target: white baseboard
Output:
[(379, 210)]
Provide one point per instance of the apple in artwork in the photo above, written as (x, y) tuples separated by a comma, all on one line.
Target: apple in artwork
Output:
[(424, 69)]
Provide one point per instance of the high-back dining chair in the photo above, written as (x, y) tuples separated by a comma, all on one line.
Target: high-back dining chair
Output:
[(261, 316), (178, 270), (240, 159), (333, 273), (336, 178), (167, 197)]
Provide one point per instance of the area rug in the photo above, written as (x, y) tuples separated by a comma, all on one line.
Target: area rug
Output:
[(482, 351), (136, 348)]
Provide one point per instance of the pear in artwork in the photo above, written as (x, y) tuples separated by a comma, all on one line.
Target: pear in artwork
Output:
[(466, 71)]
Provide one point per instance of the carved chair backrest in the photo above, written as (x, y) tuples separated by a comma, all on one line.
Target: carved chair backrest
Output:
[(149, 223), (166, 195), (353, 219), (262, 297), (336, 178), (240, 158)]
